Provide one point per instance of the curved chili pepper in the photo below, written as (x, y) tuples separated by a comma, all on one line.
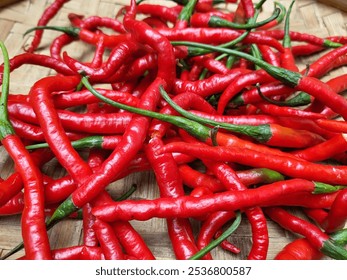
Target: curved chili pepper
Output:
[(47, 15), (78, 98), (35, 238), (13, 206), (220, 239), (299, 249), (40, 98), (210, 85), (337, 215), (170, 185), (38, 59), (119, 54), (210, 227), (58, 44), (201, 19), (166, 13), (86, 35), (260, 236), (226, 245), (303, 37), (314, 235), (324, 150), (332, 125), (284, 111), (108, 241)]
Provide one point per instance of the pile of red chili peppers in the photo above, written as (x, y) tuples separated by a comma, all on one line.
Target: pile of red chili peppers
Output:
[(207, 97)]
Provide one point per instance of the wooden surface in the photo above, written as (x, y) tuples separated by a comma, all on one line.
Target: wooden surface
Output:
[(308, 16), (340, 4)]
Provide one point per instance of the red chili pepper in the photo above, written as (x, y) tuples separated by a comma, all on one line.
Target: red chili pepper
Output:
[(218, 36), (302, 37), (58, 44), (208, 86), (226, 245), (35, 238), (119, 54), (78, 98), (201, 19), (165, 13), (137, 129), (298, 168), (47, 15), (87, 122), (314, 235), (299, 249), (210, 227), (311, 85), (318, 215), (287, 58), (318, 68), (189, 206), (38, 59), (13, 206), (108, 241), (260, 236), (332, 125), (337, 215), (325, 150), (271, 134), (170, 185), (41, 100)]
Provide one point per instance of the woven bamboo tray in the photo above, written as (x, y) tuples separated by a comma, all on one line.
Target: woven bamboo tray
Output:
[(307, 16)]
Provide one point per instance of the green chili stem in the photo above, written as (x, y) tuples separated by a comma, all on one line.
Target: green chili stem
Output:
[(286, 39), (187, 11), (220, 239), (300, 99), (196, 50), (261, 133), (196, 129), (216, 21), (5, 125), (288, 77), (340, 237), (127, 194), (331, 249), (69, 30), (87, 142), (320, 188)]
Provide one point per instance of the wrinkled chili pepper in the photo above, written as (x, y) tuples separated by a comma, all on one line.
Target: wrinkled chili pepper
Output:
[(35, 238)]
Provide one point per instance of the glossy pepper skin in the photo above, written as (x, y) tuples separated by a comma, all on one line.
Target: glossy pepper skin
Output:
[(193, 206), (137, 129), (35, 238)]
